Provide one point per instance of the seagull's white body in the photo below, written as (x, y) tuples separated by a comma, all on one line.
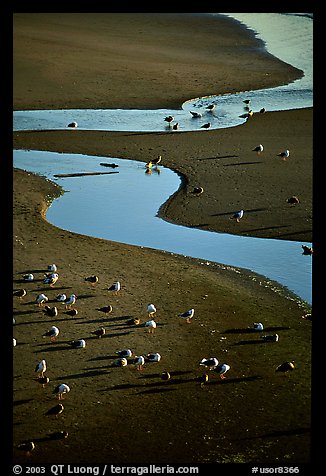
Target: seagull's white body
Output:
[(187, 315), (258, 326), (221, 370), (41, 368), (115, 287), (238, 215), (28, 277), (151, 309), (51, 279), (151, 326), (41, 299), (78, 344), (139, 362), (259, 149), (71, 300), (61, 297), (125, 353), (154, 357), (285, 154), (61, 389), (53, 332), (52, 268)]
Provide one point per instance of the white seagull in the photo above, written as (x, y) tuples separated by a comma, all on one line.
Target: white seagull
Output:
[(237, 216), (123, 362), (60, 390), (125, 353), (28, 277), (115, 287), (78, 344), (259, 149), (221, 370), (285, 154), (154, 357), (61, 297), (151, 326), (51, 279), (53, 332), (258, 326), (41, 299), (151, 310), (187, 315), (70, 301), (139, 362), (52, 268), (270, 338), (210, 363), (40, 368)]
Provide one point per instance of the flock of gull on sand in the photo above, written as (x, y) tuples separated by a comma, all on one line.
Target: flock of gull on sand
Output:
[(126, 357)]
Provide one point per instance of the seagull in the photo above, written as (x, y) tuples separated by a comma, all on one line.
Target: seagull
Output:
[(99, 332), (175, 126), (50, 311), (41, 299), (135, 321), (154, 357), (14, 342), (169, 119), (78, 344), (203, 379), (285, 367), (92, 279), (262, 110), (73, 124), (206, 126), (40, 368), (28, 446), (246, 101), (51, 279), (72, 312), (187, 315), (70, 301), (149, 165), (157, 160), (125, 353), (53, 333), (237, 216), (259, 149), (139, 362), (115, 287), (28, 277), (196, 115), (285, 154), (151, 310), (211, 107), (123, 362), (197, 190), (151, 326), (59, 435), (55, 410), (20, 293), (61, 297), (52, 268), (293, 200), (221, 370), (307, 250), (210, 363), (43, 380), (165, 376), (246, 115), (60, 390), (258, 326), (270, 338), (105, 309)]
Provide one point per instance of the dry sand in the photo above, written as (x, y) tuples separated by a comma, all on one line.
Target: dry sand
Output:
[(121, 415)]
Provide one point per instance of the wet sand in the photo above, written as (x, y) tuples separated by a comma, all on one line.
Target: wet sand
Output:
[(121, 415)]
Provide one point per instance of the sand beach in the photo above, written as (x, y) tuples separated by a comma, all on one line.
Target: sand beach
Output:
[(122, 415)]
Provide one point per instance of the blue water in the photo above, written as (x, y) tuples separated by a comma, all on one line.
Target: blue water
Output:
[(127, 203)]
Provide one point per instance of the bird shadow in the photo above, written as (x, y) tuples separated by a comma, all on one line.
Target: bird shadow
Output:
[(88, 373), (254, 331), (219, 157), (251, 378), (252, 210), (23, 401), (235, 164), (251, 341)]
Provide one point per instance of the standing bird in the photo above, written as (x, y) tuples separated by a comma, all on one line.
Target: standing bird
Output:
[(53, 333), (285, 367), (51, 279), (99, 332), (237, 216), (221, 370), (70, 301), (284, 155), (206, 126), (151, 326), (246, 101), (203, 379), (73, 125), (259, 149), (187, 315), (115, 287), (40, 368), (43, 380), (60, 390), (139, 362), (307, 250), (262, 110), (169, 119), (157, 160), (151, 310), (92, 279), (41, 299), (154, 357), (175, 126), (210, 363)]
